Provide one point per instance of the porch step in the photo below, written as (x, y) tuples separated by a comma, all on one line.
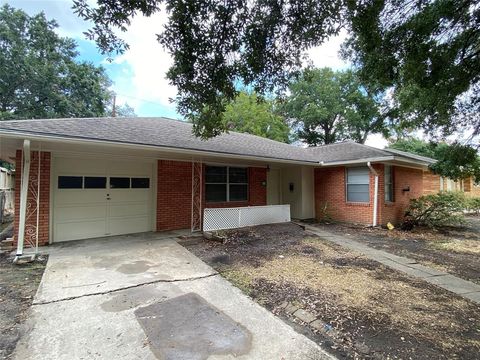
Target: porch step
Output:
[(6, 244)]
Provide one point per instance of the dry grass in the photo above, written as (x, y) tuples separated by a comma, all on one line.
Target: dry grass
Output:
[(414, 309), (459, 246)]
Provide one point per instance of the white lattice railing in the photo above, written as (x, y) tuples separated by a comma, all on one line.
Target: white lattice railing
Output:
[(231, 218)]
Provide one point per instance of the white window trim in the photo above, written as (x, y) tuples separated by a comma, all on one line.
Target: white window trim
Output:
[(227, 184), (346, 186), (391, 183)]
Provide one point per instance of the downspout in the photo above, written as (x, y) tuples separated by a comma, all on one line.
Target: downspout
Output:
[(375, 194), (23, 195)]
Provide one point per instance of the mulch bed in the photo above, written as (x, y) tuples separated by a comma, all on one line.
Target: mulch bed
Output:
[(423, 245), (18, 285), (401, 317)]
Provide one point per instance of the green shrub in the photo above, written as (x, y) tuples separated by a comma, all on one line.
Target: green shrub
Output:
[(474, 204), (442, 209)]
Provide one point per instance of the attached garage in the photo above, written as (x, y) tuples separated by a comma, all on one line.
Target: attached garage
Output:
[(101, 197)]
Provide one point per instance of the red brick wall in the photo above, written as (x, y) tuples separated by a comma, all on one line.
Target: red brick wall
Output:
[(44, 216), (330, 190), (174, 194), (403, 178), (431, 183)]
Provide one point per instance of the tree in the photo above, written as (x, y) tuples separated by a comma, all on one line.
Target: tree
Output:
[(39, 77), (426, 52), (250, 114), (124, 110), (454, 161), (214, 44), (327, 106)]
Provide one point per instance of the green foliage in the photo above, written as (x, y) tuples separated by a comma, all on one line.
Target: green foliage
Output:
[(439, 210), (417, 146), (250, 114), (39, 77), (427, 52), (327, 106), (217, 44), (455, 161), (473, 204)]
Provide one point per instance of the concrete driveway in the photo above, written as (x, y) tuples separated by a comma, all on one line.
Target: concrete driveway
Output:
[(146, 297)]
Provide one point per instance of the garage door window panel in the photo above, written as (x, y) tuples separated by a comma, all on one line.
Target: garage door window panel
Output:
[(140, 183), (119, 183), (95, 182), (70, 182)]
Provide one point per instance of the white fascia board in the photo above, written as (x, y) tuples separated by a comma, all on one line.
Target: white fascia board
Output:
[(358, 161), (61, 139)]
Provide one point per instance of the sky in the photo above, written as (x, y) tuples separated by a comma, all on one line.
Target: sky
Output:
[(138, 75)]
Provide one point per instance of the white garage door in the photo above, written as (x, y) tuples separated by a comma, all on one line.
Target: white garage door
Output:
[(93, 198)]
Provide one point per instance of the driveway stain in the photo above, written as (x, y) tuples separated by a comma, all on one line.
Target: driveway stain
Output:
[(136, 267), (188, 327), (132, 298)]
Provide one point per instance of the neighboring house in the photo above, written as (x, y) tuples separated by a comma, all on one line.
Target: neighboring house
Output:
[(7, 183), (107, 176)]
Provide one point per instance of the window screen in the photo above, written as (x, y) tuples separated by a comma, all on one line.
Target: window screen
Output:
[(70, 182), (119, 183), (95, 182), (358, 184), (388, 183), (140, 183)]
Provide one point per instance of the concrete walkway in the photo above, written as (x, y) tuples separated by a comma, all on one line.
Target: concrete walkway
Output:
[(449, 282), (146, 297)]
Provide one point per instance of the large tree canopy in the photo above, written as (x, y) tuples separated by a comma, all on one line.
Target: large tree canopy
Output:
[(39, 76), (426, 51), (218, 44), (327, 106), (250, 114)]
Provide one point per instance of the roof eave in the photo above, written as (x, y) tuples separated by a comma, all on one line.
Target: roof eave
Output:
[(194, 152)]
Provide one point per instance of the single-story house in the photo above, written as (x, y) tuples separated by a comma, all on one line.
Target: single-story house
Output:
[(106, 176)]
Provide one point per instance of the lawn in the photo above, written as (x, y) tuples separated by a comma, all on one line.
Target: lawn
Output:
[(453, 250), (353, 306), (18, 285)]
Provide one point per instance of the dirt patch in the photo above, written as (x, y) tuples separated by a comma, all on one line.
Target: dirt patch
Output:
[(18, 284), (367, 310), (453, 250)]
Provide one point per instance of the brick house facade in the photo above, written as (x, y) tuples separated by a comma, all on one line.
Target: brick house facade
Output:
[(330, 194)]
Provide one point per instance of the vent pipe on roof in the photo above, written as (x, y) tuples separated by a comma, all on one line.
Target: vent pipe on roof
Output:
[(375, 194)]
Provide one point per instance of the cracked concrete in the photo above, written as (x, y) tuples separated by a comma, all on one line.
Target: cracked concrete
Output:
[(86, 308), (464, 288)]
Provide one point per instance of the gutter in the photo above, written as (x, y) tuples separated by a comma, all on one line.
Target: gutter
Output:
[(375, 194)]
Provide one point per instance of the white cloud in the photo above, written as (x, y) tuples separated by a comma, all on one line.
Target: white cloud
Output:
[(148, 62), (377, 141), (327, 54)]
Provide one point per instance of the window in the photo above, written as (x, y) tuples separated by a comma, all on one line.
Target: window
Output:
[(358, 184), (226, 184), (95, 182), (388, 183), (140, 183), (70, 182), (119, 183)]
